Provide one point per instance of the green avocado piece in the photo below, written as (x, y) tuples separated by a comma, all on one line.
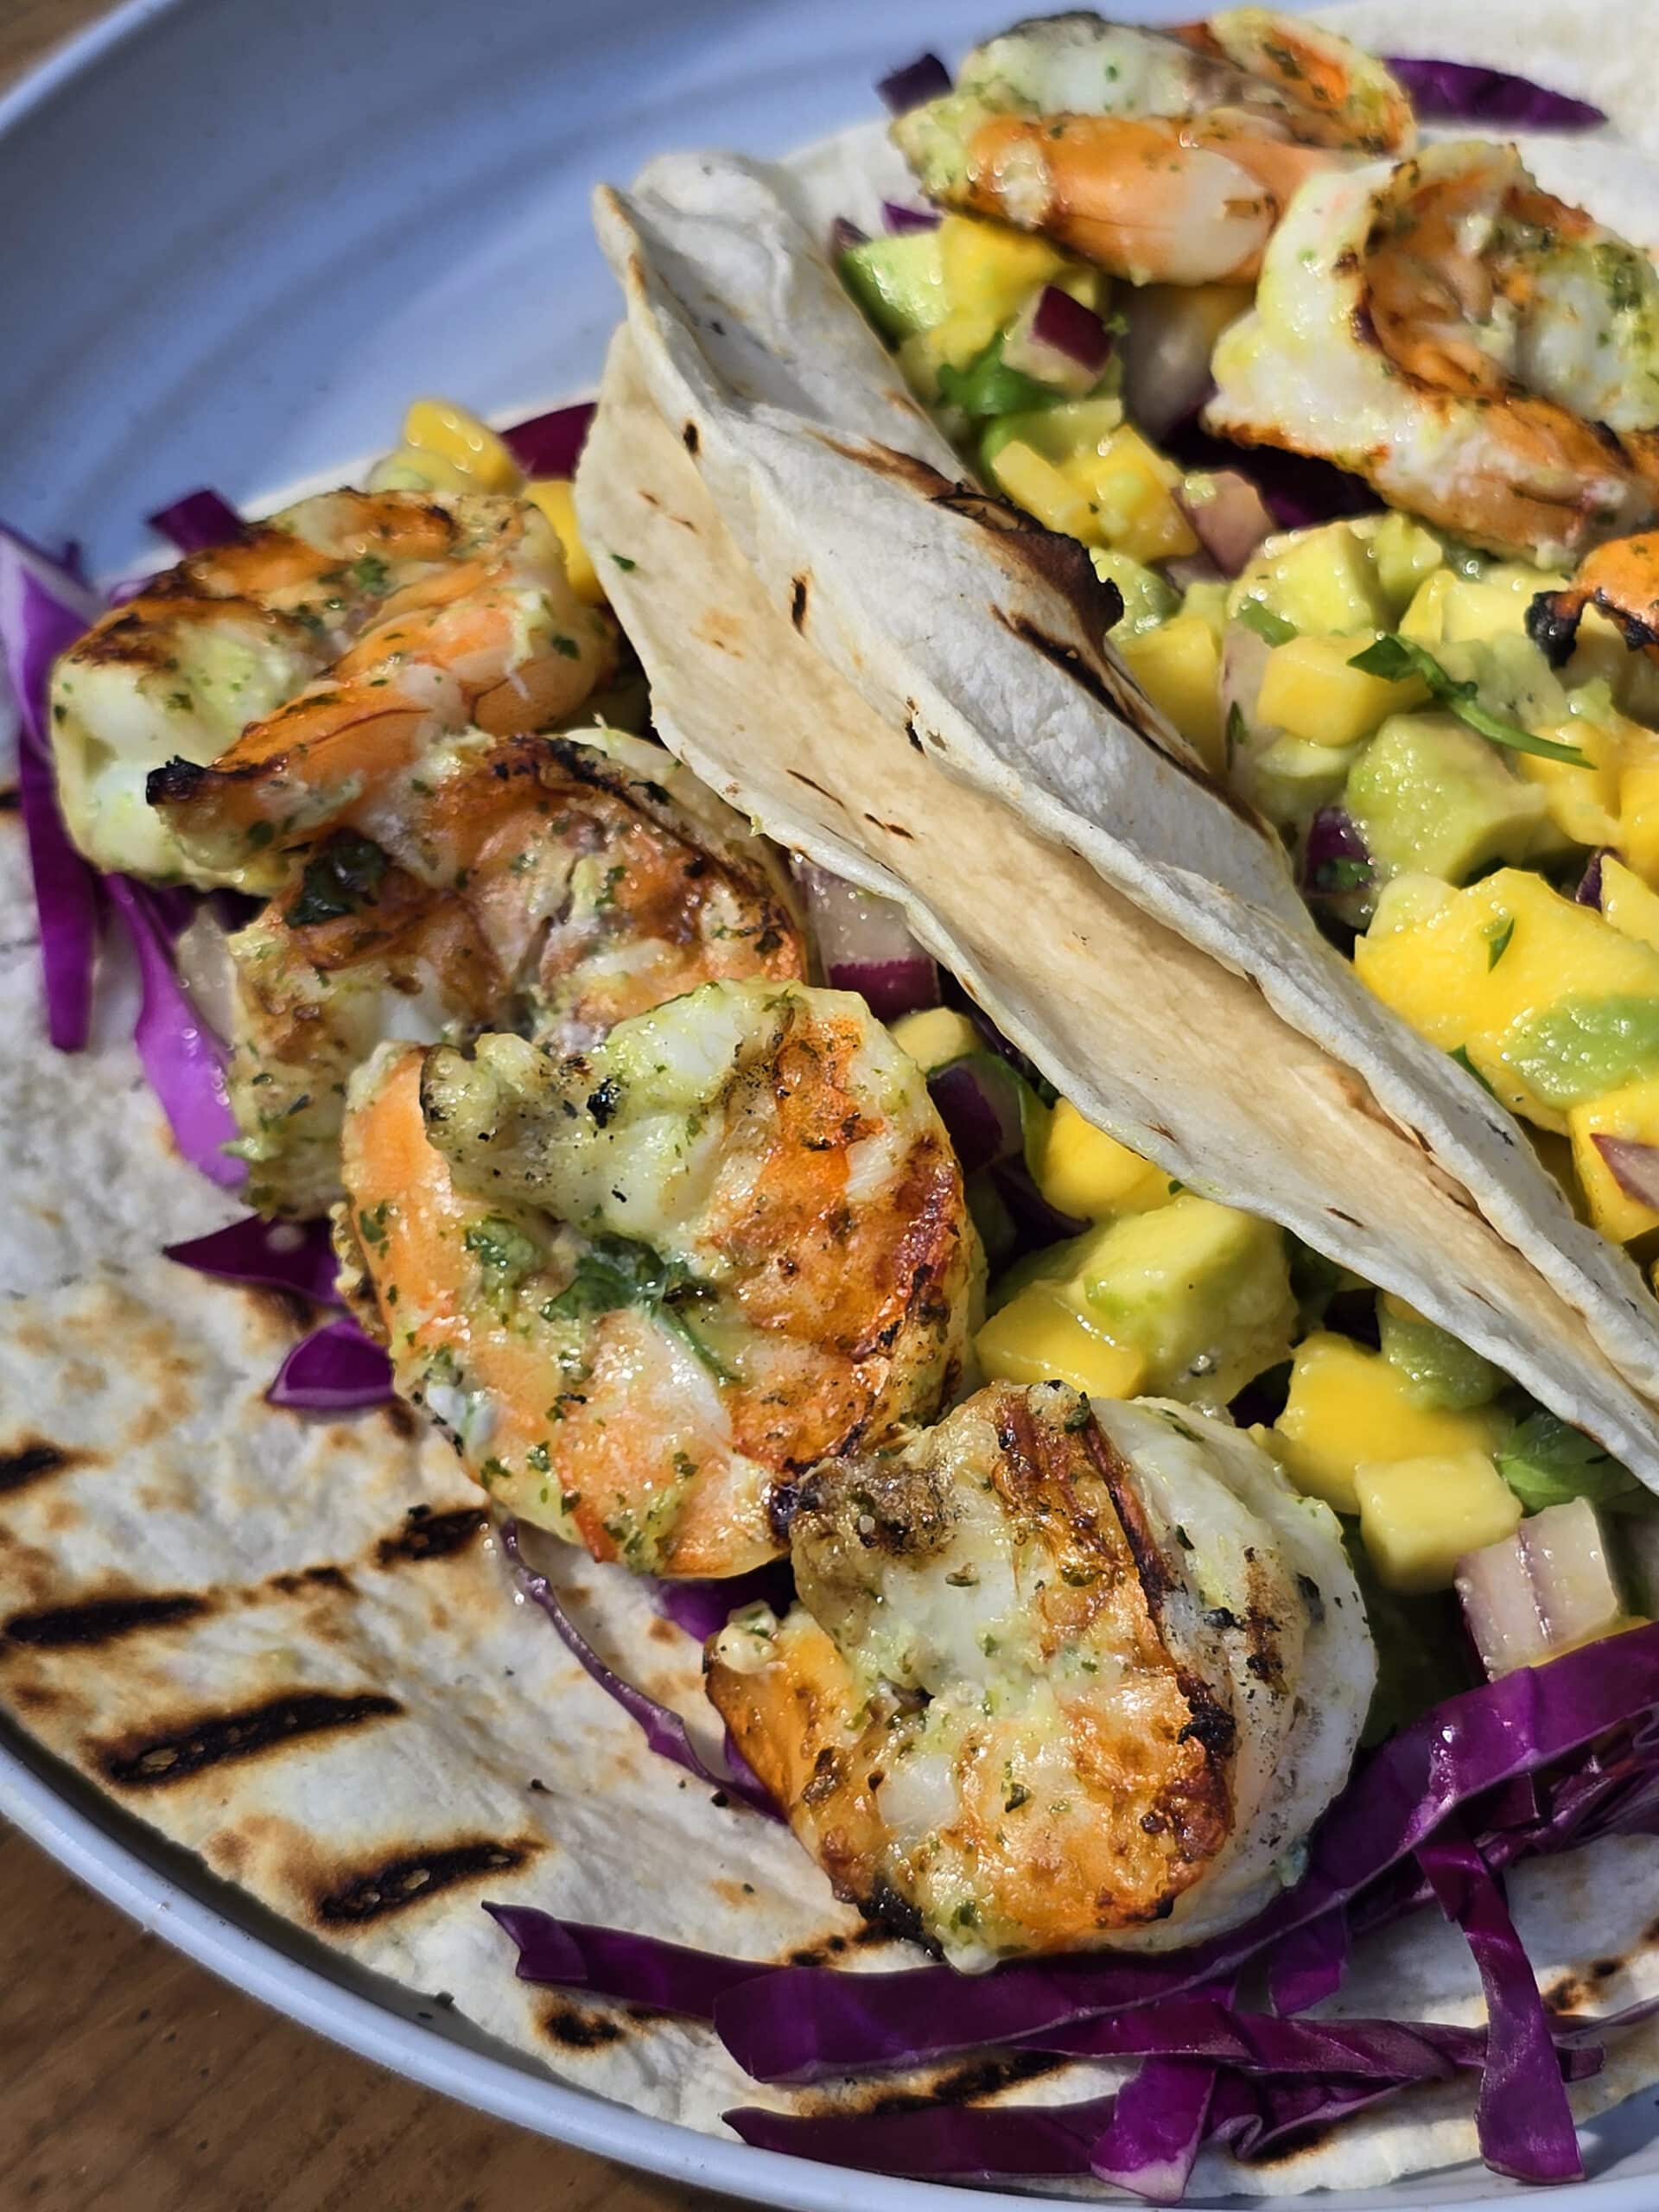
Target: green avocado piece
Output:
[(1581, 1047), (1442, 1373), (899, 283), (1201, 1289), (1402, 552), (1322, 581), (1148, 600), (1429, 796), (1059, 432)]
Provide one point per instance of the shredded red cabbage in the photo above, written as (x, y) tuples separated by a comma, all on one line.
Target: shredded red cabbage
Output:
[(664, 1730), (1463, 92), (336, 1370), (929, 2140), (924, 78), (979, 1103), (44, 607), (285, 1254), (636, 1969), (898, 220), (182, 1059), (550, 444), (198, 520), (703, 1609), (1589, 889), (1297, 489)]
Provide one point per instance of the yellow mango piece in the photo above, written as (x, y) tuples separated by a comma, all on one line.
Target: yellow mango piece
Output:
[(1583, 803), (992, 271), (1349, 1406), (418, 468), (555, 497), (1424, 620), (1041, 1336), (1638, 809), (1633, 1112), (1177, 664), (1419, 1517), (464, 440), (1081, 1170), (1628, 904), (1310, 688), (1046, 492), (1494, 605), (936, 1036), (1132, 487)]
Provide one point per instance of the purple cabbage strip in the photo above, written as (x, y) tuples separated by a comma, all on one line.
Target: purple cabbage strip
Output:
[(703, 1609), (550, 444), (1151, 2141), (336, 1370), (1589, 891), (924, 78), (664, 1730), (44, 607), (1463, 92), (183, 1060), (1308, 1966), (936, 2141), (198, 520), (899, 220), (284, 1255), (1524, 2120), (637, 1969)]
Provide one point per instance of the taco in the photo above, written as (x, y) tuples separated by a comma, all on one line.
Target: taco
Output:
[(892, 1300)]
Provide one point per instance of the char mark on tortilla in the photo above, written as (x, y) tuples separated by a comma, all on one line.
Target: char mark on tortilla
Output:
[(148, 1760), (397, 1884), (798, 601), (30, 1462), (102, 1620), (427, 1534)]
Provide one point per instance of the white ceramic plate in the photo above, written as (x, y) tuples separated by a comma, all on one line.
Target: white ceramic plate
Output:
[(236, 238)]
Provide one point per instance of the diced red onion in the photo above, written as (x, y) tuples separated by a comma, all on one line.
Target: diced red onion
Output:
[(1231, 522), (664, 1730), (924, 78), (550, 444), (285, 1254), (1300, 489), (336, 1370), (843, 235), (979, 1103), (183, 1061), (198, 520), (1633, 1165), (865, 945), (1166, 350), (44, 607), (1589, 891), (1058, 340), (1189, 568), (1463, 92), (1333, 851), (899, 221)]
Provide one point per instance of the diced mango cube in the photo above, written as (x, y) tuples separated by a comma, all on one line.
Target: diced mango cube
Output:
[(1638, 809), (1632, 1113), (990, 271), (1582, 801), (1403, 554), (1628, 904), (1132, 488), (1349, 1407), (1310, 688), (1177, 664), (555, 497), (1046, 492), (1418, 1517), (1424, 620), (464, 440), (1041, 1336), (1082, 1171), (936, 1036), (418, 468)]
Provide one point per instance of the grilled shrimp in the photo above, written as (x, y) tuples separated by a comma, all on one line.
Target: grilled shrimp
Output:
[(353, 622), (645, 1289), (1059, 1675), (549, 885), (1486, 355), (1167, 159), (1619, 580)]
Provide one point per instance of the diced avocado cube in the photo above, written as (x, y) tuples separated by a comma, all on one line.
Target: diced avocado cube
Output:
[(1321, 581), (1292, 780), (1403, 552), (1442, 1373), (1209, 602), (1418, 1517), (1202, 1289), (899, 283), (1349, 1406), (1583, 1047), (1148, 599), (936, 1036), (1428, 796), (1059, 433)]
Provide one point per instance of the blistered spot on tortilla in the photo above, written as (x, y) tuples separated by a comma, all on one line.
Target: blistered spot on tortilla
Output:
[(575, 2027), (798, 601), (664, 1632), (410, 1878), (400, 1419), (155, 1757), (102, 1620), (427, 1534), (893, 829), (800, 776), (297, 1581), (722, 631), (33, 1460), (689, 439)]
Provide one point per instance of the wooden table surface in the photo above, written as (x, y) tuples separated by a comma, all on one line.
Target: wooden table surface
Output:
[(130, 2081)]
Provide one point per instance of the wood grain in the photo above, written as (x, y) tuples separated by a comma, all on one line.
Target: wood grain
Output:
[(131, 2081)]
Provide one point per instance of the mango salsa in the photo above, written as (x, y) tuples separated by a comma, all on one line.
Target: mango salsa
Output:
[(936, 1036), (1638, 807), (1045, 490), (1177, 665), (1132, 489), (1628, 904), (1310, 688), (1631, 1112), (555, 497), (1350, 1407), (1583, 803), (990, 272), (1041, 1335), (1082, 1171), (1419, 1517)]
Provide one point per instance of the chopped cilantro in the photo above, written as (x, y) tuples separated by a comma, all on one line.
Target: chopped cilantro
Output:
[(1393, 657), (1497, 933), (344, 875), (1256, 615)]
